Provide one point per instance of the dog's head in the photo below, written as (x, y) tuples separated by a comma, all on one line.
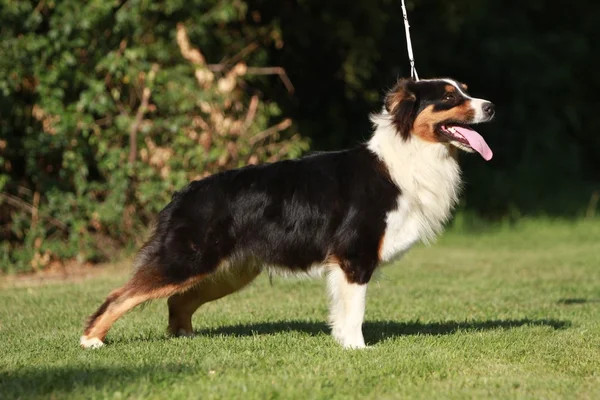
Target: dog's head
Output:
[(439, 111)]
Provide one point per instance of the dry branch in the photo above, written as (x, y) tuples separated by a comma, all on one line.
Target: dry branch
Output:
[(195, 56), (187, 51), (286, 123), (35, 209), (40, 6), (251, 112), (241, 54), (23, 205), (139, 116), (273, 71), (260, 71)]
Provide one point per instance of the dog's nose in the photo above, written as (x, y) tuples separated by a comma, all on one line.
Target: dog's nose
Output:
[(488, 109)]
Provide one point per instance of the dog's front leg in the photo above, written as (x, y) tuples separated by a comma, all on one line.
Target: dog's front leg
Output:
[(347, 309)]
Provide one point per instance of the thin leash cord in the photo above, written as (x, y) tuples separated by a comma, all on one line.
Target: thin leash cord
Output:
[(411, 57)]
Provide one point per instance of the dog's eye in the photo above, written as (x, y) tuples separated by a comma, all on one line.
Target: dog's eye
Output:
[(449, 97)]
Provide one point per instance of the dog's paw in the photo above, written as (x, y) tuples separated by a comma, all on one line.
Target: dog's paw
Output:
[(338, 335), (356, 342), (90, 343), (184, 333), (354, 345)]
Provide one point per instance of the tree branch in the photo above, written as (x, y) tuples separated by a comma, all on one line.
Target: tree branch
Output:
[(260, 71), (240, 55), (286, 123), (116, 8), (139, 116), (23, 205), (251, 112), (40, 6)]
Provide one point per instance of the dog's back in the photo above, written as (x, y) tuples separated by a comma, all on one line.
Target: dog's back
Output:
[(291, 214)]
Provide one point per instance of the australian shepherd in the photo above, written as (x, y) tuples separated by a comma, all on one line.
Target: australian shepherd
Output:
[(343, 213)]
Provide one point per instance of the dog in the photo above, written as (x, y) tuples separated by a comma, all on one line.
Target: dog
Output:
[(342, 212)]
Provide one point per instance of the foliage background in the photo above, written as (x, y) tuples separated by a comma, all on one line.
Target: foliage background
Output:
[(74, 76)]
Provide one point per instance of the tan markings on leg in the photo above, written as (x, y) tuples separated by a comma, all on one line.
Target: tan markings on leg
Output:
[(380, 247), (113, 312), (143, 286), (183, 305)]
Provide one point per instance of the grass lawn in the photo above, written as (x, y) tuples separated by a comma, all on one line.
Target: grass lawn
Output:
[(512, 313)]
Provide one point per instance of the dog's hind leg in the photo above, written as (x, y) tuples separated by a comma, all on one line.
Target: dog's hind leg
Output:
[(146, 284), (183, 305)]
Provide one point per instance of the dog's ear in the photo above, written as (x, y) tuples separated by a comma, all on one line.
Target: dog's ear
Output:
[(401, 105)]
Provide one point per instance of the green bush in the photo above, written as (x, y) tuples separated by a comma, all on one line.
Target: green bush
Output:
[(107, 108)]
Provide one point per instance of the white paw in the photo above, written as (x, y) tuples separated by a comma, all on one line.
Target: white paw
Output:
[(338, 335), (355, 341), (90, 343), (184, 333), (354, 344)]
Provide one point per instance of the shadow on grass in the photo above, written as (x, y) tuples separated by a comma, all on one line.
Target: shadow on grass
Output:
[(42, 381), (577, 300), (59, 381), (377, 331)]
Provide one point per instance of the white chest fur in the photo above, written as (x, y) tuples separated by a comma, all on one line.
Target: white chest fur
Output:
[(429, 180)]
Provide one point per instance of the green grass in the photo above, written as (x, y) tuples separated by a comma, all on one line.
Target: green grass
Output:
[(511, 313)]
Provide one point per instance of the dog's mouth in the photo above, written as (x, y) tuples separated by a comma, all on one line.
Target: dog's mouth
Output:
[(465, 138)]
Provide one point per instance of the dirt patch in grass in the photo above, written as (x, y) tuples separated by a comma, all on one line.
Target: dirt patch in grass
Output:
[(62, 273)]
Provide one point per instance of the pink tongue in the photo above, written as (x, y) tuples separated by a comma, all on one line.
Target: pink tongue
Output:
[(476, 142)]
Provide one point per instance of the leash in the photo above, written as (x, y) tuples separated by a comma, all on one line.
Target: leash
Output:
[(411, 57)]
